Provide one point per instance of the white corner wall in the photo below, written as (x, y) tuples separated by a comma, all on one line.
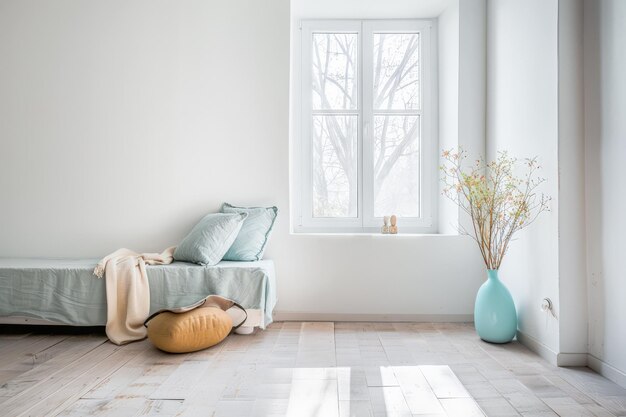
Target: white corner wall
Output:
[(124, 122), (605, 151), (448, 68), (522, 118), (462, 92), (472, 84), (572, 236)]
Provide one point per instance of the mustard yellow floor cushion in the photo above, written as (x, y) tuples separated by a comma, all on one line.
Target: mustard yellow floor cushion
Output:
[(191, 328)]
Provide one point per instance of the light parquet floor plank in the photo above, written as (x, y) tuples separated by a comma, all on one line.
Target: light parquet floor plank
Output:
[(299, 370), (71, 350)]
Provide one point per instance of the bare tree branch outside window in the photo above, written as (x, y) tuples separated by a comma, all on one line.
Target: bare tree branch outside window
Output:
[(396, 124)]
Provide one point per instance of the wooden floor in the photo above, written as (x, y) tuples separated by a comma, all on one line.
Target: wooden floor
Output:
[(298, 370)]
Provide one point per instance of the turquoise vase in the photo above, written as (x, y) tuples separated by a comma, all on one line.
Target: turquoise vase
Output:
[(495, 318)]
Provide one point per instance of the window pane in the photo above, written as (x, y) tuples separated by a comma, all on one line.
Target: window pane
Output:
[(396, 166), (334, 71), (396, 71), (335, 166)]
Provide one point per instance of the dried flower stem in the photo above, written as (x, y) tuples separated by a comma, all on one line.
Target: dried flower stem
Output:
[(498, 202)]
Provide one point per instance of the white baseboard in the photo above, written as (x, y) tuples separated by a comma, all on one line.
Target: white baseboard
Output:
[(537, 347), (606, 370), (420, 318), (556, 359), (571, 359)]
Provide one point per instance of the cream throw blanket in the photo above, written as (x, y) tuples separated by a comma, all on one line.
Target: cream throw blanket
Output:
[(128, 291)]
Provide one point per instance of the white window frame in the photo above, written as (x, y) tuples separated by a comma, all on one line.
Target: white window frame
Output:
[(365, 222)]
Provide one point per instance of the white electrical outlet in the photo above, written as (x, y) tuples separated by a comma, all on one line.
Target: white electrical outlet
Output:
[(547, 306)]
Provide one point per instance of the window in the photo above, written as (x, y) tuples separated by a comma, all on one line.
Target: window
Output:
[(366, 145)]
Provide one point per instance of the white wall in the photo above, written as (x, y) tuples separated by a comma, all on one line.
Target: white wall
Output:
[(462, 51), (121, 121), (368, 9), (472, 84), (572, 239), (448, 36), (605, 150), (522, 118), (472, 76), (124, 122)]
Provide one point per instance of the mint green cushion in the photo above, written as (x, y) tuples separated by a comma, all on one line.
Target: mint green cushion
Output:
[(209, 240), (252, 239)]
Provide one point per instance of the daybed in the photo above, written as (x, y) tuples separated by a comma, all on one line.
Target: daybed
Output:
[(62, 291)]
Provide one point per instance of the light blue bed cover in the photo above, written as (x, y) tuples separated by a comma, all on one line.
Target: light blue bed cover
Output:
[(66, 291)]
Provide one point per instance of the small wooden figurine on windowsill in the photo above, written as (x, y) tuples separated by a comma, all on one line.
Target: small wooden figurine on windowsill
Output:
[(393, 229), (385, 229)]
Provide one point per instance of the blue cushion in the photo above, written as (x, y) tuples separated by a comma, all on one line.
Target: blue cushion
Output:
[(209, 240), (252, 239)]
